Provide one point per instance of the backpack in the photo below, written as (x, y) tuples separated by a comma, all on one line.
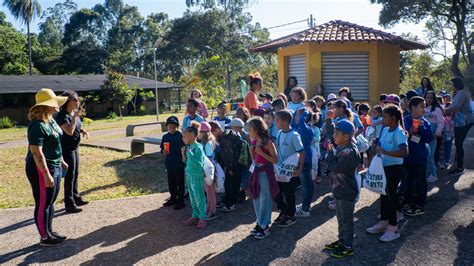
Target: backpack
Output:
[(244, 159), (231, 148)]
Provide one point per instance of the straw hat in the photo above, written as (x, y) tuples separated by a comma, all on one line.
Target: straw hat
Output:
[(46, 97)]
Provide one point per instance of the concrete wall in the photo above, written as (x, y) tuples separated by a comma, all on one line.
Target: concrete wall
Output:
[(384, 62)]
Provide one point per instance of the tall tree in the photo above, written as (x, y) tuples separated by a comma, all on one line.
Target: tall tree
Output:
[(52, 28), (13, 57), (442, 16), (116, 89), (25, 11)]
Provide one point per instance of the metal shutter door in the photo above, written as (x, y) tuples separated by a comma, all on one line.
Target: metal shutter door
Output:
[(297, 68), (346, 70)]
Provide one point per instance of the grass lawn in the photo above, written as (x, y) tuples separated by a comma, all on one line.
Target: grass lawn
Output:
[(19, 133), (104, 174)]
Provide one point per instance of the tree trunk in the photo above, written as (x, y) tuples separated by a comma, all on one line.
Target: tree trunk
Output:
[(29, 47)]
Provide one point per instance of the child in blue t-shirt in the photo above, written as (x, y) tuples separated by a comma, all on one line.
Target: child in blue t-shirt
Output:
[(288, 143), (392, 147), (298, 97), (269, 118), (191, 108), (222, 117)]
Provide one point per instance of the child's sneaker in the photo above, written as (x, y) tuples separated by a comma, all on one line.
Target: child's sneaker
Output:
[(255, 230), (211, 216), (190, 221), (332, 204), (415, 211), (390, 235), (262, 233), (201, 224), (231, 208), (333, 246), (406, 207), (220, 205), (342, 252), (378, 228), (179, 205), (169, 202), (280, 216), (300, 213), (286, 222), (431, 179)]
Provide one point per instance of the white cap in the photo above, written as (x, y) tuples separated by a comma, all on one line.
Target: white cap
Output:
[(331, 96), (237, 122)]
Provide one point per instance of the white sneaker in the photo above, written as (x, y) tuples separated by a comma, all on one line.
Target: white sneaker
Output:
[(389, 236), (431, 179), (300, 213), (378, 228)]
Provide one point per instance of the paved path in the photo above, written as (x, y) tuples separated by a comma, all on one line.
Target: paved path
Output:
[(139, 230), (116, 141)]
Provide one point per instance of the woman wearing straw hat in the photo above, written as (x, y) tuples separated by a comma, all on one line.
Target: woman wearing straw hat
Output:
[(70, 122), (44, 162)]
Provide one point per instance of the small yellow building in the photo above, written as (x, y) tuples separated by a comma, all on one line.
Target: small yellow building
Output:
[(341, 54)]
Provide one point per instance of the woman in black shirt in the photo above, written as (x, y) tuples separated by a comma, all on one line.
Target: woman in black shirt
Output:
[(70, 122)]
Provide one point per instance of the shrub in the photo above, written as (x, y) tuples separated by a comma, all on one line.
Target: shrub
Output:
[(6, 122), (111, 115), (87, 121)]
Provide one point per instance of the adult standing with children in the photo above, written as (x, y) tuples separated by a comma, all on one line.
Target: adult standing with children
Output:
[(460, 110), (69, 120), (44, 162), (251, 99)]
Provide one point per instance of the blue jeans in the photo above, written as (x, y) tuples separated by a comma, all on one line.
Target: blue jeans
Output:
[(448, 146), (263, 204), (244, 183), (416, 187), (308, 186), (431, 166)]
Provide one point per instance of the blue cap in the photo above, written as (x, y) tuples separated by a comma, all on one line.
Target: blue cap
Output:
[(345, 126)]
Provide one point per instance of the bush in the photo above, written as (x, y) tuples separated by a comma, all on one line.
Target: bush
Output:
[(6, 122), (87, 121), (111, 115)]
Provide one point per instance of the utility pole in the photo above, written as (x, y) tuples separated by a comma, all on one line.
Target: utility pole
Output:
[(311, 21)]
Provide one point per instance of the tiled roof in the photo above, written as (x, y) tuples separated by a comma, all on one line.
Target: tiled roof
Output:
[(338, 31), (59, 83)]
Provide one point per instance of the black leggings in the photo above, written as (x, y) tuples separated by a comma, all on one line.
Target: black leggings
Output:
[(232, 185), (389, 203), (71, 193), (44, 196), (460, 134), (285, 200), (176, 182)]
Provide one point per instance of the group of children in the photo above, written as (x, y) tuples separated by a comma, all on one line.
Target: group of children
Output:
[(324, 134)]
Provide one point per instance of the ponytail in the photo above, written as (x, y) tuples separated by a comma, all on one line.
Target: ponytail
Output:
[(347, 112), (193, 128), (395, 111)]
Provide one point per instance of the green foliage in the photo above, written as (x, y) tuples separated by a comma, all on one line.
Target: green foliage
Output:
[(116, 89), (414, 66), (13, 57), (111, 115), (6, 122), (448, 22), (88, 121)]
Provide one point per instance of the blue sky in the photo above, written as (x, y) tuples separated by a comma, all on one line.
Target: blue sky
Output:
[(270, 13)]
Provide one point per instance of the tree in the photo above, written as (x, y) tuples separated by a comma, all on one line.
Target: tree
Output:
[(13, 57), (116, 89), (52, 28), (25, 11), (442, 16), (83, 40)]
